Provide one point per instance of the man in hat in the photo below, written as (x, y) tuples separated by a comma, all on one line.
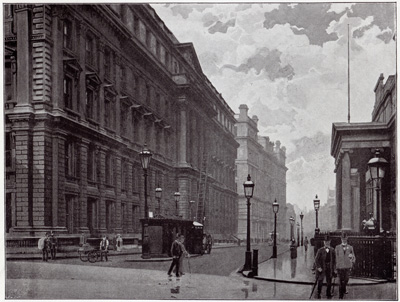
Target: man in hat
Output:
[(345, 259), (53, 245), (325, 262)]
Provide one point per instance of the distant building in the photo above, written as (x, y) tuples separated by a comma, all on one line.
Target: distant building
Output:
[(327, 213), (353, 145), (265, 162), (86, 86)]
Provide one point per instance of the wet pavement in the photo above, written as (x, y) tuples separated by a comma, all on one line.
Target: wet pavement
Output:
[(278, 279), (298, 270)]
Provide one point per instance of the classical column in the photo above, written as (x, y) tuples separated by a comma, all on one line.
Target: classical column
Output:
[(129, 189), (57, 56), (102, 202), (83, 183), (22, 127), (24, 62), (183, 128), (101, 90), (346, 190), (118, 183), (117, 97)]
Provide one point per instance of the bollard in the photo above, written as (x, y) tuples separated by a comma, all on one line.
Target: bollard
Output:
[(255, 263)]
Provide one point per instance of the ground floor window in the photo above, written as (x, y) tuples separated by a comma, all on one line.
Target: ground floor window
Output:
[(110, 215), (69, 212), (92, 214)]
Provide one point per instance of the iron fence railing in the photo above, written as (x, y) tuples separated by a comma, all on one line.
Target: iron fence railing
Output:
[(375, 255)]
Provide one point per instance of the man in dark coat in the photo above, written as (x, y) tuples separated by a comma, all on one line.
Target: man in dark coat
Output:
[(177, 253), (345, 259), (53, 245), (325, 262)]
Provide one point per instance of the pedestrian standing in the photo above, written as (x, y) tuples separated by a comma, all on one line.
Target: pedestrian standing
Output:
[(104, 248), (44, 245), (306, 244), (325, 262), (176, 252), (53, 245), (209, 243), (345, 259)]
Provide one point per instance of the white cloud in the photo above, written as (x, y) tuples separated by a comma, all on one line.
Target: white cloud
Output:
[(317, 94)]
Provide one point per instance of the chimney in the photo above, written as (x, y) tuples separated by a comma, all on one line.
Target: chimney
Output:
[(243, 112), (255, 119)]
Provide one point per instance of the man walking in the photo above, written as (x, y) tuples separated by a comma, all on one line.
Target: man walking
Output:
[(345, 259), (177, 253), (325, 262), (306, 244)]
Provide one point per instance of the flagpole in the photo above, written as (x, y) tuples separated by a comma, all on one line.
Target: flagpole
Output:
[(348, 73)]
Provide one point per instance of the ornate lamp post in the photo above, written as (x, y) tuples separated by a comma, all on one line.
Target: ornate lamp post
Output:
[(158, 197), (248, 193), (191, 203), (177, 196), (275, 208), (377, 166), (298, 233), (301, 228), (291, 220), (145, 157), (316, 207)]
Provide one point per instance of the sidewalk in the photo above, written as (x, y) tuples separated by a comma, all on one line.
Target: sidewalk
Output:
[(299, 270), (72, 252)]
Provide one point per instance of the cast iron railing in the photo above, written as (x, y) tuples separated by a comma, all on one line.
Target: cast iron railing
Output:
[(375, 255)]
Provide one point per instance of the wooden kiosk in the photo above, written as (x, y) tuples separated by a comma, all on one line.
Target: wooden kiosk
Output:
[(162, 232)]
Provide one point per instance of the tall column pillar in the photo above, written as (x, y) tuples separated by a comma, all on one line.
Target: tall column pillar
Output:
[(183, 129), (23, 16), (118, 214), (83, 222), (346, 190), (22, 127), (102, 201), (129, 189)]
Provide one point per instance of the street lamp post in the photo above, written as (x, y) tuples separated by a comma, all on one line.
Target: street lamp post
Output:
[(275, 208), (291, 220), (298, 233), (177, 196), (158, 197), (248, 193), (191, 203), (316, 207), (301, 228), (377, 166), (145, 157)]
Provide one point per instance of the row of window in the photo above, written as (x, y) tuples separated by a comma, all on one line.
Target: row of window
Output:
[(72, 166), (138, 28), (93, 223)]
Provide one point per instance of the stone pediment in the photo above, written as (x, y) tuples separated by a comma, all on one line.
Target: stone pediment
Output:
[(190, 55)]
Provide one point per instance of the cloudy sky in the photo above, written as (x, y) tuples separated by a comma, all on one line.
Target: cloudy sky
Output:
[(288, 63)]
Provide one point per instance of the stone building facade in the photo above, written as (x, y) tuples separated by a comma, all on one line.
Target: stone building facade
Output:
[(86, 86), (265, 162), (353, 145)]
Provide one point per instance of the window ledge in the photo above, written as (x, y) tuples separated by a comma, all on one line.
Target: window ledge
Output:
[(71, 111)]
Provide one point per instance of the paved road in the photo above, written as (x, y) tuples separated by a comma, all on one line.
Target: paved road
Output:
[(221, 261), (38, 280)]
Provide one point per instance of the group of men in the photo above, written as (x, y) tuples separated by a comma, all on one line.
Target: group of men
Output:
[(331, 262), (48, 245)]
